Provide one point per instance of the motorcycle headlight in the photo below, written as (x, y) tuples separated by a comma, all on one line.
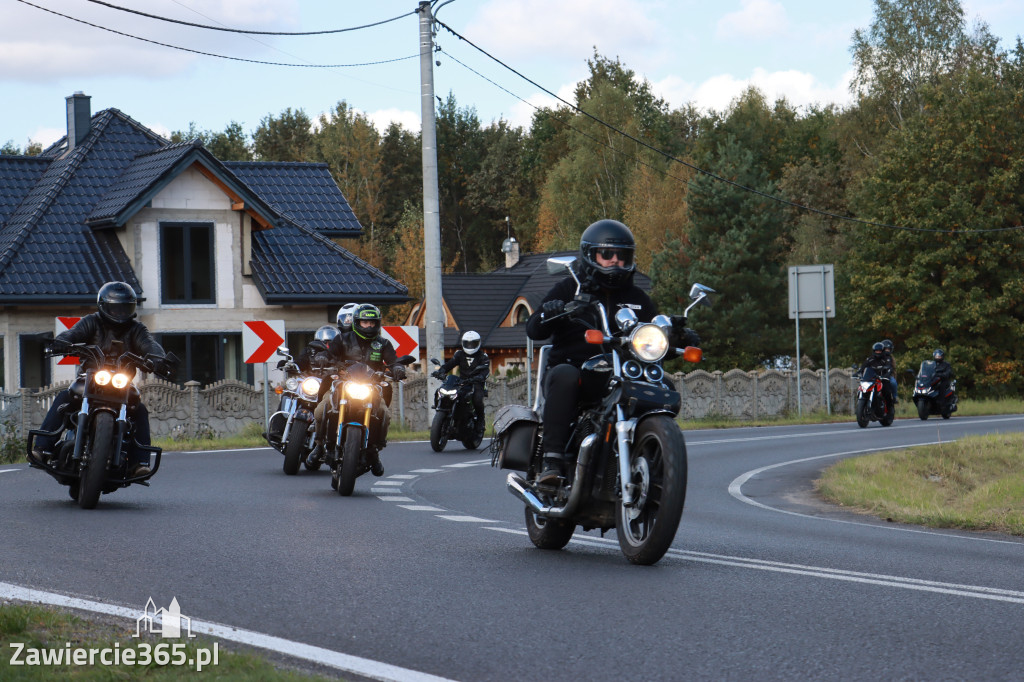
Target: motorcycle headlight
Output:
[(120, 380), (102, 377), (866, 385), (447, 391), (649, 342), (311, 387), (357, 391), (291, 383)]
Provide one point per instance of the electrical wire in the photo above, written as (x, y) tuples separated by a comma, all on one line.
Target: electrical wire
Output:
[(239, 30), (698, 169), (211, 54)]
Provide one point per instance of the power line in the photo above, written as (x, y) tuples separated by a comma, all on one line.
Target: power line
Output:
[(239, 30), (211, 54), (708, 173)]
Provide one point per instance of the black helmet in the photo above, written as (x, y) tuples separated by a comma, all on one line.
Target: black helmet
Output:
[(345, 314), (939, 354), (326, 333), (887, 344), (116, 302), (470, 342), (606, 238), (367, 312), (878, 350)]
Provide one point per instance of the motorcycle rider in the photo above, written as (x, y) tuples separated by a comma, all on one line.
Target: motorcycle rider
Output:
[(345, 314), (114, 321), (887, 345), (605, 267), (363, 344), (943, 372), (881, 364), (474, 367), (321, 341)]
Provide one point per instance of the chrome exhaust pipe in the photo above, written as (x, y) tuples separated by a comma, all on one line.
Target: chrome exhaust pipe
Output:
[(521, 489)]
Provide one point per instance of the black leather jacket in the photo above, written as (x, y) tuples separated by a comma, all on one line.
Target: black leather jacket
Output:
[(378, 353), (95, 331), (305, 359), (882, 365), (475, 368)]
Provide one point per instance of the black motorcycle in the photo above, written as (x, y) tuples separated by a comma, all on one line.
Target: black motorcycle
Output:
[(357, 404), (454, 414), (98, 431), (291, 431), (631, 466), (873, 400), (930, 396)]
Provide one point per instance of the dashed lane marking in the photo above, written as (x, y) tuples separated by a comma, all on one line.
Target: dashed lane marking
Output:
[(465, 519), (395, 498), (420, 507)]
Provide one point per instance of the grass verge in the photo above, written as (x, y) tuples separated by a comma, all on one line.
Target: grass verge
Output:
[(60, 632), (975, 483)]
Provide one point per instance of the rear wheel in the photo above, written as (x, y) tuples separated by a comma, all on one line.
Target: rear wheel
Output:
[(439, 431), (349, 461), (862, 413), (922, 409), (472, 442), (890, 414), (95, 474), (295, 446), (658, 474), (548, 533)]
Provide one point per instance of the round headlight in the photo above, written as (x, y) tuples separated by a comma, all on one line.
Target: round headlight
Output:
[(291, 383), (650, 342), (102, 377), (120, 380), (311, 386), (357, 391)]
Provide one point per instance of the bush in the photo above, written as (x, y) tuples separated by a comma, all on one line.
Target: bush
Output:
[(12, 448)]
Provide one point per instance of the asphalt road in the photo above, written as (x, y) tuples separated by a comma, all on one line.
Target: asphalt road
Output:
[(429, 568)]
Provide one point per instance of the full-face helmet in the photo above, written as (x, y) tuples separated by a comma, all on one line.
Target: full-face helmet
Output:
[(326, 334), (470, 342), (939, 355), (116, 302), (606, 254), (345, 314), (367, 322)]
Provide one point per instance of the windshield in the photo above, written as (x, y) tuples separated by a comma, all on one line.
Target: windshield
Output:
[(927, 370), (868, 374)]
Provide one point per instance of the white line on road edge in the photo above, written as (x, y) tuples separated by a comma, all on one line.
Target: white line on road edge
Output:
[(375, 670), (735, 489), (974, 591)]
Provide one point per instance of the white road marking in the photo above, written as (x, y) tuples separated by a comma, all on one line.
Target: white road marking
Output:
[(463, 465), (465, 519), (425, 471), (394, 498), (420, 507), (333, 659), (973, 591), (735, 489), (379, 482), (402, 476), (7, 471)]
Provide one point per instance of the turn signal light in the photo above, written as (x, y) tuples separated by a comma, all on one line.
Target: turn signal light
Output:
[(693, 354), (595, 336)]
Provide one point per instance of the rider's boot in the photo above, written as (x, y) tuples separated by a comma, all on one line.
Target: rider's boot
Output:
[(316, 454), (553, 469), (376, 466)]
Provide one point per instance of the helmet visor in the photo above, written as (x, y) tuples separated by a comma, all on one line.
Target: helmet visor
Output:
[(471, 345), (610, 256), (119, 311)]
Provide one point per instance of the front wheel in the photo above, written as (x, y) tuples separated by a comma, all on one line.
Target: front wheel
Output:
[(439, 431), (349, 461), (862, 412), (548, 533), (295, 446), (890, 414), (658, 476), (95, 474), (922, 409)]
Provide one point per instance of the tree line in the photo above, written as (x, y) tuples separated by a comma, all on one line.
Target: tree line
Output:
[(928, 161)]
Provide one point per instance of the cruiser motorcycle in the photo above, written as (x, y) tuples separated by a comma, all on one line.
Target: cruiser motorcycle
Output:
[(873, 401), (92, 452), (631, 468), (927, 395), (292, 429), (454, 415), (357, 406)]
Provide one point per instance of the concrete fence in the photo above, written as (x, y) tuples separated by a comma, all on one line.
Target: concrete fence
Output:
[(227, 406)]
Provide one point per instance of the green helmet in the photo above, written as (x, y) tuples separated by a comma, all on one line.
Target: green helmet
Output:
[(367, 313)]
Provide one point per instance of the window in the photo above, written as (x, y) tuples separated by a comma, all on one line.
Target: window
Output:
[(520, 315), (207, 358), (186, 259), (35, 369)]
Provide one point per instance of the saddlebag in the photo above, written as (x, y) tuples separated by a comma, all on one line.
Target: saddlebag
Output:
[(515, 437)]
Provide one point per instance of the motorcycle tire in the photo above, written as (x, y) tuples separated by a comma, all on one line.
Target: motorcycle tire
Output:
[(946, 414), (349, 461), (890, 415), (295, 447), (923, 410), (473, 442), (548, 533), (439, 431), (658, 467), (73, 491), (863, 419), (95, 474)]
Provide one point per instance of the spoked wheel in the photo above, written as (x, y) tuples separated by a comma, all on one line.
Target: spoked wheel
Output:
[(439, 431), (658, 476), (862, 413), (349, 461), (95, 474), (548, 533), (295, 446), (922, 409)]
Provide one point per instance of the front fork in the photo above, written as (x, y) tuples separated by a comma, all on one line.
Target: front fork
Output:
[(624, 436), (341, 424), (80, 426)]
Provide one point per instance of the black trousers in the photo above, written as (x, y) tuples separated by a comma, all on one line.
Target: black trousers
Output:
[(561, 397), (478, 401)]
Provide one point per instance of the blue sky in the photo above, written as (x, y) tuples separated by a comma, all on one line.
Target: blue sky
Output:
[(690, 51)]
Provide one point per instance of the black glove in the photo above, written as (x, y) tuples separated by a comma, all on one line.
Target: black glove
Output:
[(398, 372), (552, 307), (684, 336), (437, 374)]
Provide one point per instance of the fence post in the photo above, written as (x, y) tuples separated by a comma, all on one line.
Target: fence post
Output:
[(193, 407), (718, 393), (24, 420), (754, 385)]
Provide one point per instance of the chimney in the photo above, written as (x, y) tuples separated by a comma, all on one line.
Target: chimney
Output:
[(510, 247), (79, 118)]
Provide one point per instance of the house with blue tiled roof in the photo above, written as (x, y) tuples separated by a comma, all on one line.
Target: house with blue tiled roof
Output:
[(206, 244)]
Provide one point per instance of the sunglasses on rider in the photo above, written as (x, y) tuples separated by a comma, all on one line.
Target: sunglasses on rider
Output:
[(624, 255)]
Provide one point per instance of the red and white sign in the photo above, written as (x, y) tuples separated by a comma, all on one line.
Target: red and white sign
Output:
[(405, 339), (260, 339), (62, 325)]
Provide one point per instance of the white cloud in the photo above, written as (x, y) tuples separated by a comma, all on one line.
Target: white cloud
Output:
[(382, 118), (47, 136), (717, 93), (756, 19)]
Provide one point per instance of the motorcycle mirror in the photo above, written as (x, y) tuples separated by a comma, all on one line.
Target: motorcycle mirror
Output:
[(405, 360), (282, 350), (435, 361), (556, 264), (693, 354)]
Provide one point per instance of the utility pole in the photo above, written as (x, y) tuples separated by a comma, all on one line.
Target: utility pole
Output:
[(434, 309)]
